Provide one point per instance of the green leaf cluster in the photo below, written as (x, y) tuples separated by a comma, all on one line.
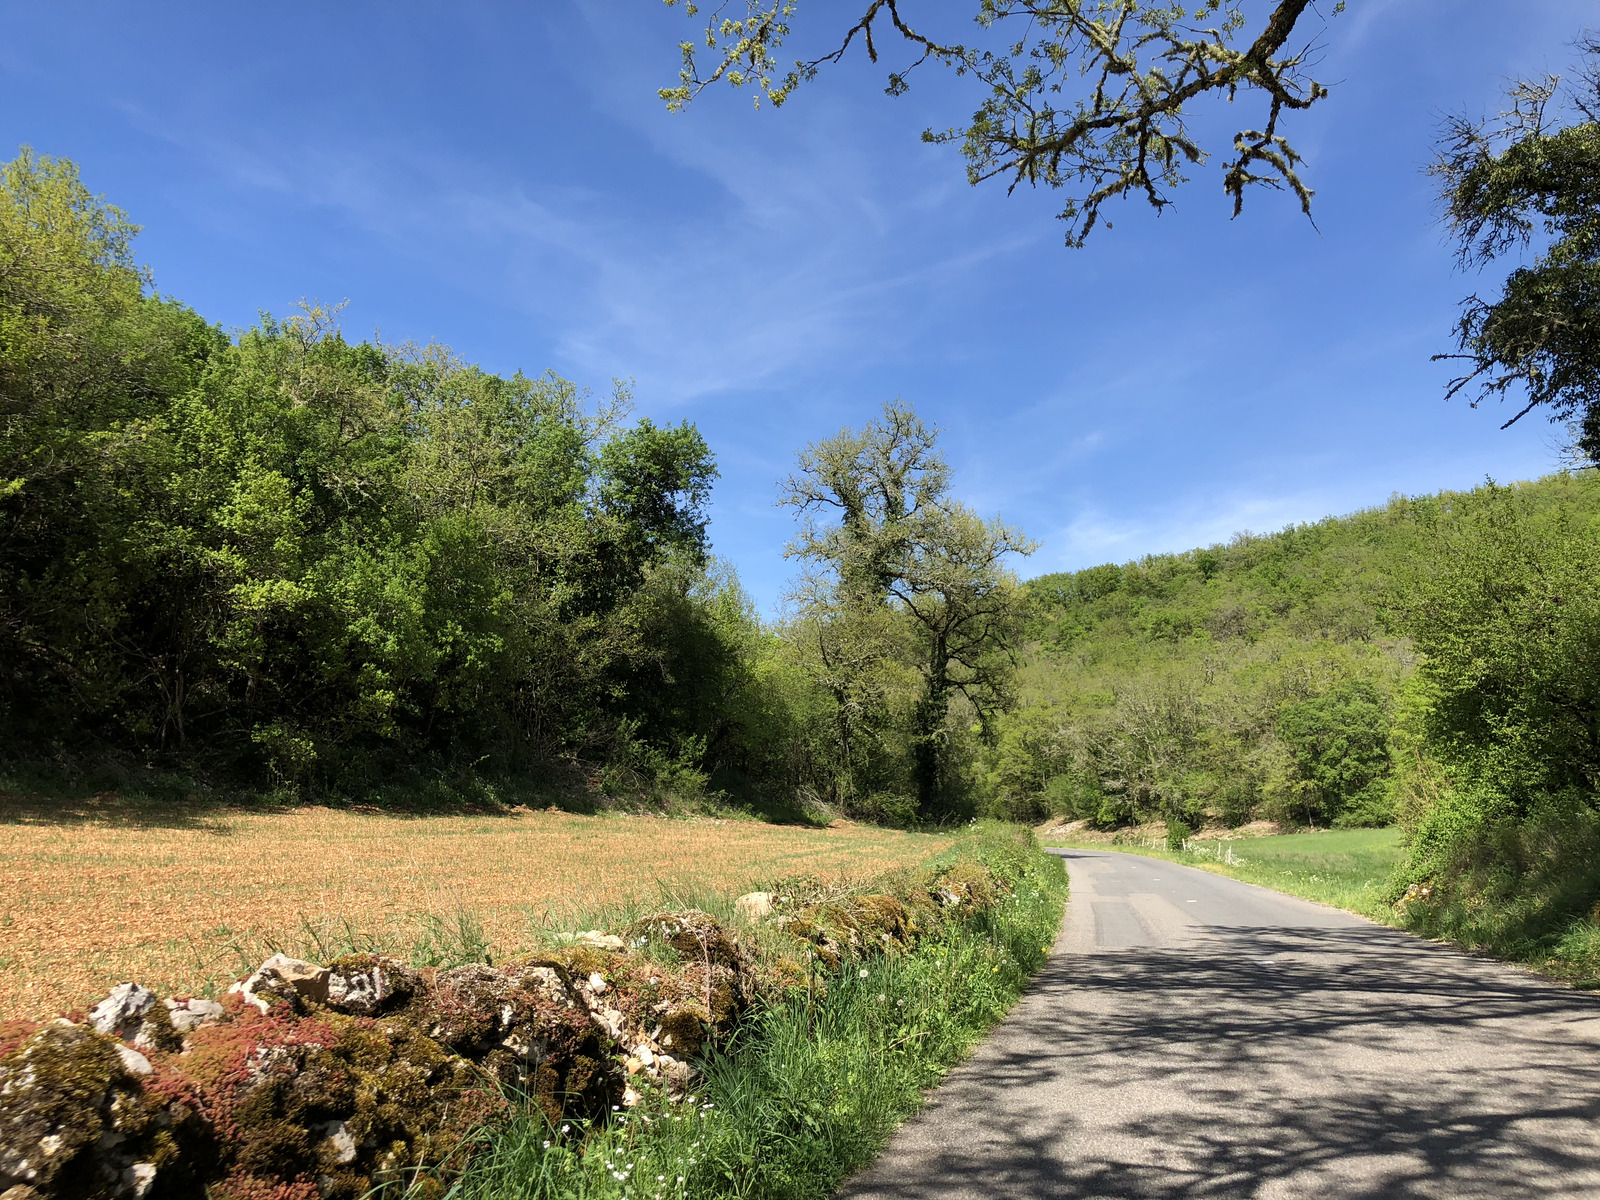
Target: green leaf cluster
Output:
[(1094, 97), (1503, 811), (1525, 181)]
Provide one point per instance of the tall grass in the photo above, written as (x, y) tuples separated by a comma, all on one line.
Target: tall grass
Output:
[(1526, 891), (1346, 868), (814, 1084)]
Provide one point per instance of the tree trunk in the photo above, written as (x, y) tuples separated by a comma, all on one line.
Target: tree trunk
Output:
[(929, 725)]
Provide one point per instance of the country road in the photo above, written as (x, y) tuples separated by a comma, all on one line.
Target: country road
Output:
[(1192, 1036)]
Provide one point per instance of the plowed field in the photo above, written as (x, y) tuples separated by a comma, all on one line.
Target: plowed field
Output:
[(185, 903)]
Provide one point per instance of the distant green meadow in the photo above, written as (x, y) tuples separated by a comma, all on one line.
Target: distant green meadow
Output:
[(1359, 870), (1345, 868)]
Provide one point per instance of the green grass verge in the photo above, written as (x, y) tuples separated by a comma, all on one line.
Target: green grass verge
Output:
[(1345, 868), (813, 1086)]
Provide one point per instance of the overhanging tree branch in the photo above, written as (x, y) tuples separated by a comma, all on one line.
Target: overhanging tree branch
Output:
[(1089, 97)]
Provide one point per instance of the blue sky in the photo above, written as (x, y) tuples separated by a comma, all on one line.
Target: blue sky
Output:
[(502, 178)]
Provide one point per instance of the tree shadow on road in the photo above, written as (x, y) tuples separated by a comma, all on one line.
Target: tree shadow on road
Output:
[(1271, 1062)]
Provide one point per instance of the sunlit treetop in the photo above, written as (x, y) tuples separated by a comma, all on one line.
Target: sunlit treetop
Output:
[(1529, 180), (1089, 96)]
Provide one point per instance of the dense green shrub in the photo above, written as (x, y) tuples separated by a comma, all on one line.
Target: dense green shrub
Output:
[(1340, 745), (1502, 730)]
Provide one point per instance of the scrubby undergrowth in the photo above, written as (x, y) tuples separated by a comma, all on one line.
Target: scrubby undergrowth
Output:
[(1529, 892)]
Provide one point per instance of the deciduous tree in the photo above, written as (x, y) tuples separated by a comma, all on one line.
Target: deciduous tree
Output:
[(902, 545), (1528, 177)]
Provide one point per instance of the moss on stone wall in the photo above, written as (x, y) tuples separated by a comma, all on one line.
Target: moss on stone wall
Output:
[(333, 1081)]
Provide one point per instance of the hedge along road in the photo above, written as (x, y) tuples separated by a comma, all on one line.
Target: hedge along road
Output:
[(1193, 1036)]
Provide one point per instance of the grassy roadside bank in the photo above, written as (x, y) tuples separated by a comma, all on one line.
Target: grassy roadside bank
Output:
[(1354, 869), (818, 1079)]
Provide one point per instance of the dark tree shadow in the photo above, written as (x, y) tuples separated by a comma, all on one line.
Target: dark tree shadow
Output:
[(1318, 1060)]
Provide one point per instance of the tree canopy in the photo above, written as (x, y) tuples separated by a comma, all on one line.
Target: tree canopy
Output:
[(907, 573), (1522, 179), (286, 560), (292, 553)]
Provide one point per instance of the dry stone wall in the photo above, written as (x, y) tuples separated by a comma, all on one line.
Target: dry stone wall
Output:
[(308, 1081)]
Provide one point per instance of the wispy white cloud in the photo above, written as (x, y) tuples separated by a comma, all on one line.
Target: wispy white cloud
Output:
[(774, 276), (1094, 535), (792, 270)]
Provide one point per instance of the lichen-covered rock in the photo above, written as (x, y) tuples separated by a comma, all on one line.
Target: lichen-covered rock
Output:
[(54, 1088), (333, 1082), (806, 928), (122, 1012), (284, 980), (133, 1062), (883, 919), (132, 1014), (344, 1103), (367, 984), (845, 927), (692, 933), (754, 906), (682, 1029), (75, 1122), (527, 1025), (973, 882), (190, 1013)]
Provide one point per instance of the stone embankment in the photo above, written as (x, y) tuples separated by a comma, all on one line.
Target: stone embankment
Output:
[(308, 1081)]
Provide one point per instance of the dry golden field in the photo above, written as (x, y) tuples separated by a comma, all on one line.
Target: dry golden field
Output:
[(185, 902)]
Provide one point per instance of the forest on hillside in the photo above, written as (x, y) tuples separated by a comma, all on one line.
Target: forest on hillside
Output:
[(1273, 677), (1433, 663)]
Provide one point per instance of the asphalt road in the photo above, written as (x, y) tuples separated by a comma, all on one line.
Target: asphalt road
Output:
[(1192, 1036)]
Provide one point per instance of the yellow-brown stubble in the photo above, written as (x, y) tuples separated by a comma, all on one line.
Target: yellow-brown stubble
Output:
[(184, 905)]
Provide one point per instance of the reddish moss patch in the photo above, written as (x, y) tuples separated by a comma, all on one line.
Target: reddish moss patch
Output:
[(75, 1122), (379, 1079)]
